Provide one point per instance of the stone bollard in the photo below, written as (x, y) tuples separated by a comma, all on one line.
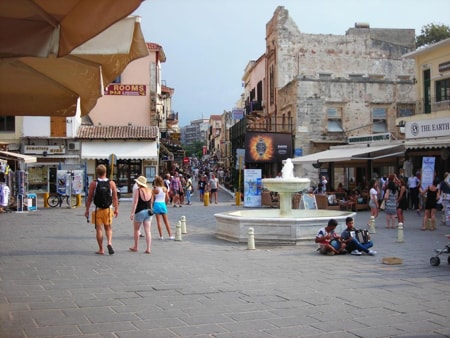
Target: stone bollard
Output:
[(183, 224), (400, 233), (372, 229), (178, 232), (251, 239)]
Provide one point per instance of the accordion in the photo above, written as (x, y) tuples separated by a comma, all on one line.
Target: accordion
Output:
[(361, 235)]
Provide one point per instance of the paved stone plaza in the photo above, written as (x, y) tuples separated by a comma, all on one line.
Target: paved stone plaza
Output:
[(53, 285)]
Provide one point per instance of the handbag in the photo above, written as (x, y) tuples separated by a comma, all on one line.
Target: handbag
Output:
[(150, 212), (383, 205)]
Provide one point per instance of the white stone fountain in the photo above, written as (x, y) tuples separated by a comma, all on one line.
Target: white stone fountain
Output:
[(286, 186), (278, 226)]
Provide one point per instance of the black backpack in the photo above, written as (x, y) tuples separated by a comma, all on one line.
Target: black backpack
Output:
[(102, 195)]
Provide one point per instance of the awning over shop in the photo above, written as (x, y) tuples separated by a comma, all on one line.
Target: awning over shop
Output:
[(17, 157), (131, 150), (441, 142), (339, 154)]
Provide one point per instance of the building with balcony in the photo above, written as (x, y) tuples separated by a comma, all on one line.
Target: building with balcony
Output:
[(213, 136), (427, 129)]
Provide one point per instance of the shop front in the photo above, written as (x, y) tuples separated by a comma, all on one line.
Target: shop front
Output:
[(42, 174), (125, 161), (428, 138), (353, 165)]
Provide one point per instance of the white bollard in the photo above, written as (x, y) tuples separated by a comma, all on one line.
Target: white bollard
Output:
[(400, 233), (183, 224), (251, 239), (178, 232), (372, 229)]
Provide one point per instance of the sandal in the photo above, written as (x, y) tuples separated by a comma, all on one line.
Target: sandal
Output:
[(110, 249), (133, 250)]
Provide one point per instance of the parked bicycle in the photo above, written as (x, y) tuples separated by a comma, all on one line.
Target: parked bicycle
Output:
[(56, 199)]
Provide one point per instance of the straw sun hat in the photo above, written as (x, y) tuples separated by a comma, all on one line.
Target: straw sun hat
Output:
[(142, 181)]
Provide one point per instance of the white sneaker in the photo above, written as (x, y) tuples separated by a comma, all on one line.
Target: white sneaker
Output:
[(372, 253), (172, 237), (356, 253), (161, 238)]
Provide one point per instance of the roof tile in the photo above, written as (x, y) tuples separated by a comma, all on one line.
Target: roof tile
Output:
[(118, 132)]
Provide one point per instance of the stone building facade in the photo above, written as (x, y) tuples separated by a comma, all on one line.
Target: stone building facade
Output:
[(333, 87)]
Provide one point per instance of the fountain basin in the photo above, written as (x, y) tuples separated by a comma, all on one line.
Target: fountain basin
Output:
[(285, 188), (300, 227), (289, 185)]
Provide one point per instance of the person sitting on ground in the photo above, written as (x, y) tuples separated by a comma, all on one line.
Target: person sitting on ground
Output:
[(352, 245), (329, 241), (352, 199)]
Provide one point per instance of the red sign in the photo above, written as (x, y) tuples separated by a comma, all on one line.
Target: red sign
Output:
[(186, 160), (126, 89)]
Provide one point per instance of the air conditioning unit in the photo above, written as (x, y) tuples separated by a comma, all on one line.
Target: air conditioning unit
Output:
[(74, 146)]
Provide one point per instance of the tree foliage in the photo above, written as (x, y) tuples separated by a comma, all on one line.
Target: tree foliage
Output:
[(432, 33), (195, 149)]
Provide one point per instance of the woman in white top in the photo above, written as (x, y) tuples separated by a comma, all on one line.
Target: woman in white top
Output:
[(373, 202), (161, 197)]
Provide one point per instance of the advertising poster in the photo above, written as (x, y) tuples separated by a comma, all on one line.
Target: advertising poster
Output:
[(77, 183), (267, 147), (252, 187), (70, 183), (427, 172)]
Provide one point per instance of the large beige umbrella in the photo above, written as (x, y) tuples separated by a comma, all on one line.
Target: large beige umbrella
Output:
[(50, 86), (42, 27)]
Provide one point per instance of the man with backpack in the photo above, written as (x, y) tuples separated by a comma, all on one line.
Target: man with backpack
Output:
[(103, 193)]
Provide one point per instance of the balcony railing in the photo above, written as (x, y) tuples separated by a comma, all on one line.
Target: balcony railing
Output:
[(172, 117), (254, 106)]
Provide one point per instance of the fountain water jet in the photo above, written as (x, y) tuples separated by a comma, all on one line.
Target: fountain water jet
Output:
[(273, 226)]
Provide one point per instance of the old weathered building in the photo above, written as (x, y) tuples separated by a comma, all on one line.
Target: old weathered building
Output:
[(334, 87)]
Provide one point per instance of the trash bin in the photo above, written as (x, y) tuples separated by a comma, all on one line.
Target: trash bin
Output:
[(31, 202)]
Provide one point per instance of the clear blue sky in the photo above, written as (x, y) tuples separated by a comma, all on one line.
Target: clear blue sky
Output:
[(208, 43)]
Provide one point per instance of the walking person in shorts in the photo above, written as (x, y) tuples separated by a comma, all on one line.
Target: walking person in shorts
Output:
[(103, 215)]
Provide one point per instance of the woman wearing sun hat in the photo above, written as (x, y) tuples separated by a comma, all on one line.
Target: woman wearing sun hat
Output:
[(142, 201)]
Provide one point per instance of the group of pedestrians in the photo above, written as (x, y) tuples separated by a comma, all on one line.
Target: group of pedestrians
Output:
[(146, 203), (210, 185), (398, 193)]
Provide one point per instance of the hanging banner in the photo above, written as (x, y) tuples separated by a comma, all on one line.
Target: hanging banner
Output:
[(427, 172), (252, 187)]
